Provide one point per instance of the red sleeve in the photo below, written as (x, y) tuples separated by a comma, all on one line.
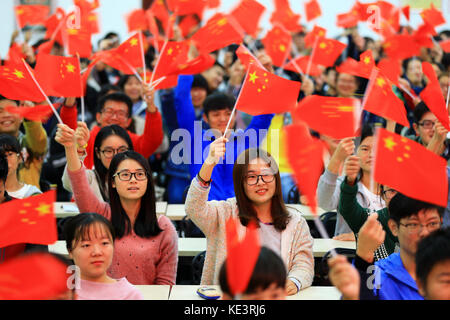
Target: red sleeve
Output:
[(152, 137), (69, 116), (89, 160)]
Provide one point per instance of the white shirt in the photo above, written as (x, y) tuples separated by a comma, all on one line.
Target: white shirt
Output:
[(24, 192)]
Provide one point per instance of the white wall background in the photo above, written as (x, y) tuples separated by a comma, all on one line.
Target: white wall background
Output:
[(111, 14)]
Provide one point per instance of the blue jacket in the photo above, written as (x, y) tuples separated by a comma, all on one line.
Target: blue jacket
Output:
[(222, 186), (395, 283)]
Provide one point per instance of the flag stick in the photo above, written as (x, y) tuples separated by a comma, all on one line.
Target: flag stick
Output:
[(82, 91), (159, 58), (141, 43), (42, 91), (131, 67), (407, 92), (322, 231), (312, 55)]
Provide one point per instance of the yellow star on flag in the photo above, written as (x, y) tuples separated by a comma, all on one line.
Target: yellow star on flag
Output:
[(322, 45), (134, 42), (18, 74), (367, 60), (389, 143), (43, 209), (282, 48), (381, 82), (70, 68), (253, 77), (222, 22)]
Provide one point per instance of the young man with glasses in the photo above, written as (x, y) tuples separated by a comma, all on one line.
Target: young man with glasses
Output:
[(394, 278), (115, 108)]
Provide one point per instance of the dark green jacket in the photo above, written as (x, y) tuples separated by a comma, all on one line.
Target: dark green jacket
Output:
[(355, 215)]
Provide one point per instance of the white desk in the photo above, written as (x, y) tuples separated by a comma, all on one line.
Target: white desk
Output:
[(177, 212), (68, 209), (154, 292), (189, 292), (190, 247)]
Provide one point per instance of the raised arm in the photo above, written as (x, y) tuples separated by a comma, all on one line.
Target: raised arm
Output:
[(183, 103), (153, 134), (84, 196), (205, 214)]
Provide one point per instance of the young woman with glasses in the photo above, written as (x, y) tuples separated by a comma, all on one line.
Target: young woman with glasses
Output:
[(258, 199), (109, 141), (146, 247)]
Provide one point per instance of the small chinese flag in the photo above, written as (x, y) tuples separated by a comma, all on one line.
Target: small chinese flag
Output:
[(59, 76), (399, 164), (445, 45), (17, 84), (159, 11), (241, 255), (405, 11), (312, 10), (92, 23), (79, 41), (327, 51), (197, 65), (175, 54), (361, 68), (136, 20), (302, 64), (188, 24), (316, 32), (15, 54), (219, 32), (305, 157), (37, 113), (347, 20), (277, 44), (52, 23), (382, 101), (248, 14), (432, 95), (432, 16), (246, 57), (331, 116), (34, 276), (168, 82), (361, 9), (391, 68), (31, 14), (284, 15), (264, 92), (29, 220), (401, 46), (183, 7)]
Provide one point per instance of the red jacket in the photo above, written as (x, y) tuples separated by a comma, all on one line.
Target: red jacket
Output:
[(144, 144)]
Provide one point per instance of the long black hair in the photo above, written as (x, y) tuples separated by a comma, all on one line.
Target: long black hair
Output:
[(146, 224), (99, 169)]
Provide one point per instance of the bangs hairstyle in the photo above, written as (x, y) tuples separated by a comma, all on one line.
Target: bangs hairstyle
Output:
[(9, 143), (247, 212), (146, 224), (431, 250), (105, 132), (269, 269), (218, 101), (80, 228), (402, 206)]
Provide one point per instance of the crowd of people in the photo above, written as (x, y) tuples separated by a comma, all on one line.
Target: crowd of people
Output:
[(127, 154)]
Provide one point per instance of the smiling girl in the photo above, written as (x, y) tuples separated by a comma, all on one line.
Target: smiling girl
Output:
[(257, 186), (90, 243), (146, 248)]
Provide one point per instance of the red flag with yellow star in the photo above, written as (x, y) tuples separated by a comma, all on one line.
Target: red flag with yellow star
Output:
[(432, 16), (401, 46), (361, 68), (136, 20), (17, 84), (284, 15), (31, 14), (219, 32), (34, 276), (331, 116), (300, 65), (277, 44), (432, 95), (183, 7), (175, 54), (79, 41), (348, 19), (327, 51), (305, 156), (264, 92), (382, 101), (312, 10), (37, 113), (410, 168), (59, 76), (29, 220), (246, 57), (248, 14), (316, 32)]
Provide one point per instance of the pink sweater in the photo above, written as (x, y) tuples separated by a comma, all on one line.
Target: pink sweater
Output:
[(141, 260), (120, 290)]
